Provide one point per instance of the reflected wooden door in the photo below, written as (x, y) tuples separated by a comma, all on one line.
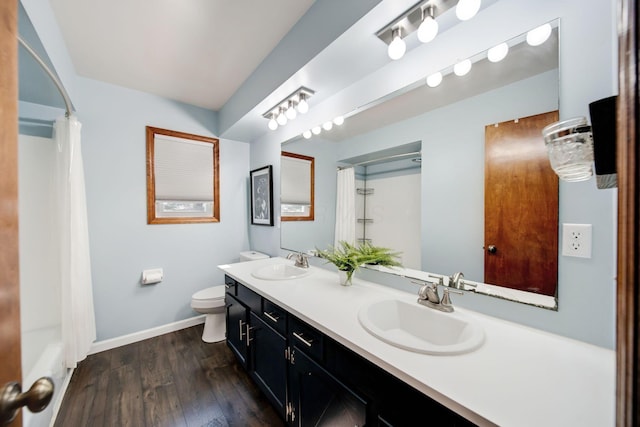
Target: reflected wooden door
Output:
[(520, 207), (10, 365)]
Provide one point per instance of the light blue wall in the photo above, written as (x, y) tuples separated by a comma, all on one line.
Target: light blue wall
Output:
[(122, 243)]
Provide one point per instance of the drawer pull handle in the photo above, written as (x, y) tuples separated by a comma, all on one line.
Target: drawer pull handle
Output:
[(271, 316), (305, 341), (227, 286), (249, 329), (241, 327)]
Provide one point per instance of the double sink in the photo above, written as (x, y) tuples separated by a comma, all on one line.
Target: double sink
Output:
[(409, 326)]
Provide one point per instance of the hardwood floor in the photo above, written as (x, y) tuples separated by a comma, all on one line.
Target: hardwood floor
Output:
[(172, 380)]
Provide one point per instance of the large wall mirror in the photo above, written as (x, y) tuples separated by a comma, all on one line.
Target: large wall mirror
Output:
[(447, 124), (182, 177)]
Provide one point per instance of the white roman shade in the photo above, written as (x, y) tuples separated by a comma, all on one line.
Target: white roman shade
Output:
[(183, 169), (295, 187)]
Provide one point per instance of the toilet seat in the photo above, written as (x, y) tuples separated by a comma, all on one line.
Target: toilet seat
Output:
[(208, 298)]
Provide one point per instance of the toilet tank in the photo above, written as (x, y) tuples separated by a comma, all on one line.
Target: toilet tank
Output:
[(252, 256)]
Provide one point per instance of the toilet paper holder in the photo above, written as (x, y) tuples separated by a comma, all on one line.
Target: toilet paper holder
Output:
[(152, 276)]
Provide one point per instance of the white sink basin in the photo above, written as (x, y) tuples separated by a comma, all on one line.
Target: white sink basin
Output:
[(280, 272), (420, 329)]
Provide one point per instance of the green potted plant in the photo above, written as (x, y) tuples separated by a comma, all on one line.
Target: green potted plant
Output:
[(348, 258)]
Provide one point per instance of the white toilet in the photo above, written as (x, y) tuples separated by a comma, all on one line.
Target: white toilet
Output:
[(210, 302)]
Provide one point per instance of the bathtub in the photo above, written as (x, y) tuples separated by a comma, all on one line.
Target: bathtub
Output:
[(42, 355)]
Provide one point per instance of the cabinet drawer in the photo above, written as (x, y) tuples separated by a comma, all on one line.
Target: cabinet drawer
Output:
[(230, 285), (306, 338), (274, 316), (249, 298)]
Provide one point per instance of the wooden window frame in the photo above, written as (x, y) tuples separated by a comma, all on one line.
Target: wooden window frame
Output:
[(152, 218)]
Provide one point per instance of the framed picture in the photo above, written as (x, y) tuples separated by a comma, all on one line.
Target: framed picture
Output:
[(261, 196)]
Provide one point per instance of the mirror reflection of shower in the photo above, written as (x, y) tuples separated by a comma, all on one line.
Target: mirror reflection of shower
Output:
[(388, 200)]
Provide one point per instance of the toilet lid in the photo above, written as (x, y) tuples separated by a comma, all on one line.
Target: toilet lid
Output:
[(214, 292)]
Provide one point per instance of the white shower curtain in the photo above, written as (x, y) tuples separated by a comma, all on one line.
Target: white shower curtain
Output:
[(78, 319), (346, 206)]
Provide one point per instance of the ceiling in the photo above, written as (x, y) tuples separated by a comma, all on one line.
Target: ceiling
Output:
[(197, 51)]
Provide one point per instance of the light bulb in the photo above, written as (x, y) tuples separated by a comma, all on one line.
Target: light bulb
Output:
[(467, 9), (316, 130), (303, 107), (327, 126), (462, 67), (273, 125), (539, 35), (338, 120), (434, 79), (498, 53), (428, 30), (397, 47), (306, 134), (291, 111), (282, 118)]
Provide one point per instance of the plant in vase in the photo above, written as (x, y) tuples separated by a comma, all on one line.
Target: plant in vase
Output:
[(348, 258)]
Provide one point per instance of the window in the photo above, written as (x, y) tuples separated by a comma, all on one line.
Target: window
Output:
[(182, 177)]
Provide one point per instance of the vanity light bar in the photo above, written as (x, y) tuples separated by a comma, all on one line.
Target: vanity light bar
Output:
[(287, 108), (411, 19)]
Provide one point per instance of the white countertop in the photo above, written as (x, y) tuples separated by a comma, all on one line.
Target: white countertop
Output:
[(519, 377)]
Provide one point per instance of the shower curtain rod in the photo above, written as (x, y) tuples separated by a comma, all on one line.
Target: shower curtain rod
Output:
[(56, 81), (395, 156)]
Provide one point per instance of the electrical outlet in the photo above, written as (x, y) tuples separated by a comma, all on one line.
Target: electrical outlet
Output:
[(576, 240)]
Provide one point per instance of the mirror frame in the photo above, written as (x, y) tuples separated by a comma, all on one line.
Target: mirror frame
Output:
[(311, 215), (151, 133)]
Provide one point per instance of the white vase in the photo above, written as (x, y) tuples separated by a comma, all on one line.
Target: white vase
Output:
[(345, 279)]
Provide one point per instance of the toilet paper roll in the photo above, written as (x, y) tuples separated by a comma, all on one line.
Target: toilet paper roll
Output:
[(152, 276)]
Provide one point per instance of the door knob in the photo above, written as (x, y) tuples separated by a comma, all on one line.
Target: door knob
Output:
[(36, 398), (492, 249)]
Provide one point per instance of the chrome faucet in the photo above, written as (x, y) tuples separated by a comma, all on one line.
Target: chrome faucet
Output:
[(302, 260), (428, 295)]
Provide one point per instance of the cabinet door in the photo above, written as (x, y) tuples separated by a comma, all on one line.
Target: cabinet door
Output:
[(237, 328), (318, 399), (268, 363)]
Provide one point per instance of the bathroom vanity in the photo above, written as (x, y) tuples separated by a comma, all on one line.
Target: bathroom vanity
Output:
[(302, 343)]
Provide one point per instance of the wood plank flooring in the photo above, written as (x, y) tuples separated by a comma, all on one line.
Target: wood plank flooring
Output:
[(171, 380)]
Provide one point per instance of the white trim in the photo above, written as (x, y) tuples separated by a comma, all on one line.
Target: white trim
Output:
[(63, 389), (100, 346)]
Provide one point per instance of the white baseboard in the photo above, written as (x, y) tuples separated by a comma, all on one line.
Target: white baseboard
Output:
[(99, 346)]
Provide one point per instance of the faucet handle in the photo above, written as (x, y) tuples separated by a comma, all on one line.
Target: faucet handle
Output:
[(446, 303)]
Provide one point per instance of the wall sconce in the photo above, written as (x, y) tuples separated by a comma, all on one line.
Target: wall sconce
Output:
[(288, 108), (570, 148), (421, 18)]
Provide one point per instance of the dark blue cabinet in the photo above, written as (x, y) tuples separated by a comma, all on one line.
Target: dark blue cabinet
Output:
[(318, 398), (312, 380), (237, 326), (268, 363)]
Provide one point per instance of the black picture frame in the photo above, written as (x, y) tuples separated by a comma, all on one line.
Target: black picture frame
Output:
[(262, 196)]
